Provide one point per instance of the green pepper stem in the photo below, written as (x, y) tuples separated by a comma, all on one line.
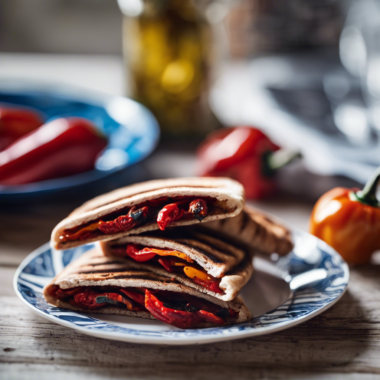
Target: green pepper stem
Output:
[(368, 194), (278, 159)]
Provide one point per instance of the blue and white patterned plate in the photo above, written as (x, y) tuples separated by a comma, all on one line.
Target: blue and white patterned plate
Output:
[(282, 293)]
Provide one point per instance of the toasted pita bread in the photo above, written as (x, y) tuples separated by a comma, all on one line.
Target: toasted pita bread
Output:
[(93, 269), (214, 255), (255, 230), (218, 258), (227, 197)]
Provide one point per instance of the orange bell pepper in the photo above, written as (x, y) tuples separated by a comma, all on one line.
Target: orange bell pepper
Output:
[(349, 221)]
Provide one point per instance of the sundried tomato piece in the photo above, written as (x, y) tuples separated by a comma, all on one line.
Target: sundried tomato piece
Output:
[(134, 217), (169, 214), (198, 208)]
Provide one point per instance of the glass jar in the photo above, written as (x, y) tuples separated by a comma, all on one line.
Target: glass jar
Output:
[(169, 52)]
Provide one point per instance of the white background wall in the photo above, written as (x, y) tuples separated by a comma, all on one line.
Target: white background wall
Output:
[(60, 26)]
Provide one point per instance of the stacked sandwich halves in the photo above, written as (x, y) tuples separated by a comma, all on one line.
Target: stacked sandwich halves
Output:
[(154, 258)]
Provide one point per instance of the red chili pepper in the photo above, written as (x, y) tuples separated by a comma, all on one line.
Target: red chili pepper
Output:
[(60, 148), (169, 214), (125, 222), (139, 255), (15, 123), (245, 154), (210, 285), (178, 318)]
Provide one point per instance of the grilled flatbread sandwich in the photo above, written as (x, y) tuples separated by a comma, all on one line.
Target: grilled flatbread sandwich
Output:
[(195, 259), (149, 206), (98, 284), (254, 230)]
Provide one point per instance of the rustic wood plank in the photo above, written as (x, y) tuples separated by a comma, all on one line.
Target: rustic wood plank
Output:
[(140, 371), (345, 339)]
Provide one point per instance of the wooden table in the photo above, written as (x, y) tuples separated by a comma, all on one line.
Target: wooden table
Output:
[(343, 340)]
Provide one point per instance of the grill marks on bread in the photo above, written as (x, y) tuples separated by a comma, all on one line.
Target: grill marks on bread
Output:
[(255, 230), (102, 268), (117, 199), (226, 197), (216, 256)]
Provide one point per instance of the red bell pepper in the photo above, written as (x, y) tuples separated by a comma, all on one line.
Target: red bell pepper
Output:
[(169, 263), (178, 318), (212, 285), (136, 254), (17, 122), (134, 217), (185, 314), (245, 154), (135, 296), (59, 148), (166, 263)]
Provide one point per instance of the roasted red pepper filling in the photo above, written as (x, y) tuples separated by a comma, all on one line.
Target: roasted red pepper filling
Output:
[(179, 318), (93, 299), (176, 309), (164, 210), (173, 261)]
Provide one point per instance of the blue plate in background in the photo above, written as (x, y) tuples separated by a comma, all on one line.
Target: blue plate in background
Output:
[(132, 132)]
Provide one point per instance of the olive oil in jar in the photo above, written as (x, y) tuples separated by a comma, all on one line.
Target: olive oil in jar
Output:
[(168, 54)]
